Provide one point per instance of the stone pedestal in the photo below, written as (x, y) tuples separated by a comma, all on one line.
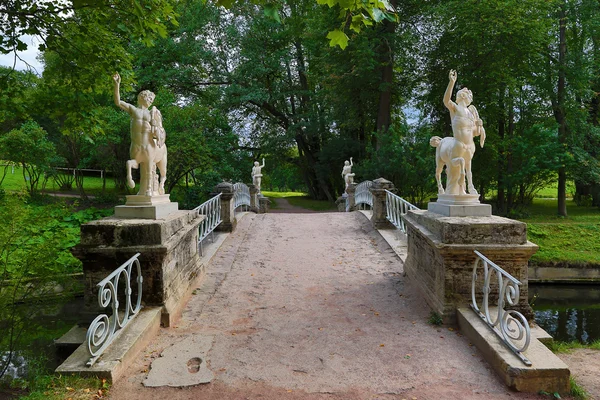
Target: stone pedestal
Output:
[(379, 218), (467, 205), (341, 202), (263, 204), (440, 256), (350, 191), (169, 257), (228, 220), (146, 207), (254, 198)]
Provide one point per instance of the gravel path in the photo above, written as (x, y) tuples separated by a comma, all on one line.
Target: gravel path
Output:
[(314, 306)]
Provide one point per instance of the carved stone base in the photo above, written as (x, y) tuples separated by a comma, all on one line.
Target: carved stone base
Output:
[(465, 205), (440, 256), (146, 207), (471, 210)]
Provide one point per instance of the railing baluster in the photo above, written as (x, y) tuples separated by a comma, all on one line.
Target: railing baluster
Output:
[(510, 325), (212, 210), (104, 329), (397, 208), (363, 194)]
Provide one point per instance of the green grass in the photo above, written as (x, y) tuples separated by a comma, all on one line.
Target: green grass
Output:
[(278, 195), (57, 387), (566, 347), (92, 184), (570, 239), (577, 391)]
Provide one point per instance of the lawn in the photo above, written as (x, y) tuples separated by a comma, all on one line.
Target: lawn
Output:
[(92, 182), (575, 238)]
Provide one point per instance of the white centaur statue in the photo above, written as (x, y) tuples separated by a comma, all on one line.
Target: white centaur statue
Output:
[(257, 173), (148, 150), (347, 173), (457, 152)]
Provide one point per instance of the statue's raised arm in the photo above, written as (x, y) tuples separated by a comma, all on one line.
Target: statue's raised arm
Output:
[(117, 95), (448, 94)]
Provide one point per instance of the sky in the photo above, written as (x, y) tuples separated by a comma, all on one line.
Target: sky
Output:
[(28, 55)]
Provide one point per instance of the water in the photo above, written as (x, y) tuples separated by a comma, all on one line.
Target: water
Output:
[(47, 323), (567, 312)]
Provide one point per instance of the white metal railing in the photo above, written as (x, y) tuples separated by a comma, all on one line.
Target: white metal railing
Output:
[(241, 196), (396, 209), (510, 325), (104, 329), (212, 210), (363, 195)]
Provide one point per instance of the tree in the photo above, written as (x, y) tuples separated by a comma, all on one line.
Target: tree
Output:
[(29, 147)]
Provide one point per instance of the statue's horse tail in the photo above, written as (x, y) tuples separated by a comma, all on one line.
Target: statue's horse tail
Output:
[(435, 141)]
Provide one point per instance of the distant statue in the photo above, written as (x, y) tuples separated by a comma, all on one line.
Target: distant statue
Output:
[(148, 150), (347, 173), (457, 152), (256, 174)]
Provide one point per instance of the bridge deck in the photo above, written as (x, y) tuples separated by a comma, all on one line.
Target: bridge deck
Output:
[(314, 306)]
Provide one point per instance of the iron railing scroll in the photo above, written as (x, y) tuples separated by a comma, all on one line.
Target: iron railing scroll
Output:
[(241, 196), (212, 210), (510, 325), (363, 195), (104, 329), (396, 209)]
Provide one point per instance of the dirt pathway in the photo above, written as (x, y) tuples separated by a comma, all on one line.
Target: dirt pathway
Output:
[(314, 306), (284, 206)]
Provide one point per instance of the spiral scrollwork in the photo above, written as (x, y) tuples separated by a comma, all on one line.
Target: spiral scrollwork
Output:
[(510, 325), (104, 328)]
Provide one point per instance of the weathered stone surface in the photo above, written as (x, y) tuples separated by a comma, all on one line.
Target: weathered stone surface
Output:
[(565, 274), (183, 364), (121, 353), (547, 372), (169, 256), (227, 207), (379, 218), (351, 191), (441, 257), (253, 198), (263, 204)]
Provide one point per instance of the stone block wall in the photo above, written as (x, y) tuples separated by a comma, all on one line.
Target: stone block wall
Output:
[(169, 258), (441, 257)]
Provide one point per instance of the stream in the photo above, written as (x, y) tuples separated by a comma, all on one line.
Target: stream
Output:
[(567, 312)]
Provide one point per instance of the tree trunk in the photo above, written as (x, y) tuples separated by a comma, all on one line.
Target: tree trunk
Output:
[(559, 109)]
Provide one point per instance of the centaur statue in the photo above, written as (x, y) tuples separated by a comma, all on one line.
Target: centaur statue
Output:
[(457, 152), (148, 150)]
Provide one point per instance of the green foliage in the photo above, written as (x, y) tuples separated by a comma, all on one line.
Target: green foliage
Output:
[(577, 391), (29, 146), (405, 158), (53, 387), (566, 347), (435, 319)]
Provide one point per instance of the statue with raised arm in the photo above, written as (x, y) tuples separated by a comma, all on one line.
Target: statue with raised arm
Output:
[(148, 150), (457, 152), (347, 173), (257, 173)]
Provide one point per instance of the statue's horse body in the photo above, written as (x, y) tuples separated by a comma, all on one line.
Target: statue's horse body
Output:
[(150, 154)]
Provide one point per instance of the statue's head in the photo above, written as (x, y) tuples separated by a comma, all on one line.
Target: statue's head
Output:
[(146, 96), (346, 163), (256, 163), (464, 94)]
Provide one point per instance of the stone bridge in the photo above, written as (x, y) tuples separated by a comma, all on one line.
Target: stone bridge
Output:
[(324, 306)]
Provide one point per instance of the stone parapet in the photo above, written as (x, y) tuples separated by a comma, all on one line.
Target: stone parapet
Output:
[(263, 202), (441, 257), (228, 220), (351, 191), (254, 205), (379, 218), (169, 258)]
